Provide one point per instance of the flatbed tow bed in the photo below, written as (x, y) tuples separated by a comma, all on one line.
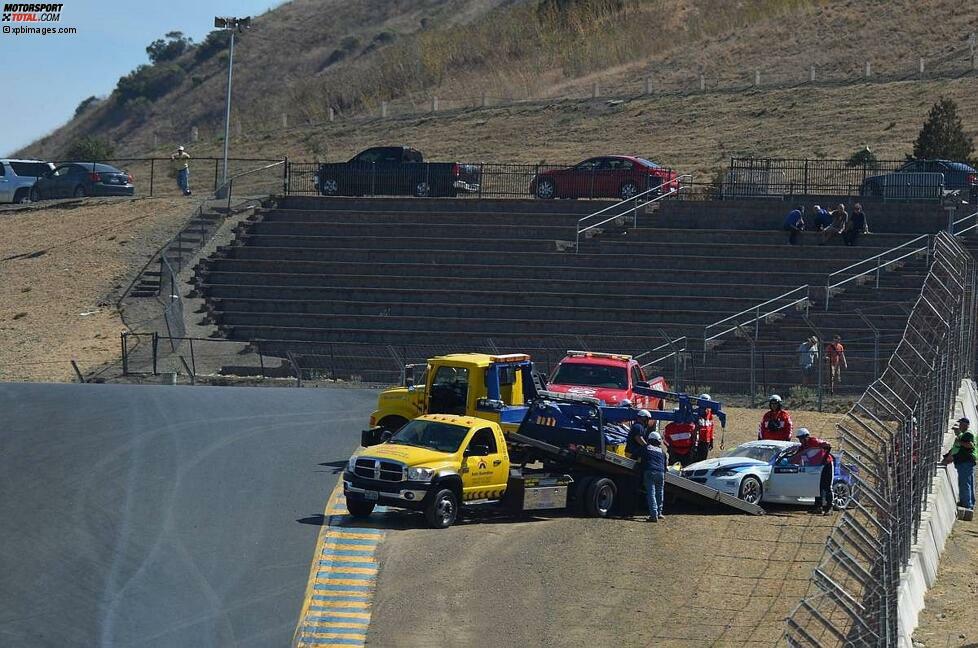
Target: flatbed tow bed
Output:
[(594, 458)]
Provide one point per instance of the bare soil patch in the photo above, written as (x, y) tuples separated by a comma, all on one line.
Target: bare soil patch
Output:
[(949, 616), (62, 267), (699, 579)]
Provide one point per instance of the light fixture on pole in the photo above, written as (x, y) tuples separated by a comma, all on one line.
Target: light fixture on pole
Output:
[(231, 24)]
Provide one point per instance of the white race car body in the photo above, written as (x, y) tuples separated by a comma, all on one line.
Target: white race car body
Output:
[(766, 462)]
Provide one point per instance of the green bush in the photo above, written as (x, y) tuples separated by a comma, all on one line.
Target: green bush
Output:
[(89, 148), (85, 104), (214, 42), (150, 81), (942, 136), (168, 48), (863, 157)]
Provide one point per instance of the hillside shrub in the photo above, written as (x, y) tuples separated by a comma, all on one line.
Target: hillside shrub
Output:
[(942, 136), (168, 48), (149, 81), (89, 148), (863, 158), (213, 43), (85, 104)]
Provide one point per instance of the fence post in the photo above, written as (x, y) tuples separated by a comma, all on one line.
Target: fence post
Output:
[(285, 120), (921, 67), (702, 83), (648, 85), (757, 78), (811, 75), (152, 172), (286, 176), (434, 104), (869, 69), (125, 353), (215, 174), (595, 91), (261, 359), (485, 99), (194, 133), (156, 346), (332, 114), (193, 363)]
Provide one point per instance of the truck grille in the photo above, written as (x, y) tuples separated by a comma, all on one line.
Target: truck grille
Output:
[(379, 469)]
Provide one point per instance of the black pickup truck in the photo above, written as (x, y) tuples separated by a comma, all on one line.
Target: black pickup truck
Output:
[(396, 171)]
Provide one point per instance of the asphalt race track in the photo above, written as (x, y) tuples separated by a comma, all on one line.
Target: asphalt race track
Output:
[(164, 516)]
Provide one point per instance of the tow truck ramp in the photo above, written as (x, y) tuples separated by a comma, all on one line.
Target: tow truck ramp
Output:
[(689, 488)]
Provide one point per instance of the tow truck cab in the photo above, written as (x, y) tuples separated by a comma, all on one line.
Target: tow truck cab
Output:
[(609, 377), (490, 387)]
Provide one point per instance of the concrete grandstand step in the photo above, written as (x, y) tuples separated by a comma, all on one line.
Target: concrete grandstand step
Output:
[(511, 218), (483, 326), (367, 242), (412, 229), (316, 272), (453, 205), (652, 232), (557, 314)]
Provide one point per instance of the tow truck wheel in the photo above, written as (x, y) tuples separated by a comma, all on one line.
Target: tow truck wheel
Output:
[(442, 511), (600, 497), (359, 508)]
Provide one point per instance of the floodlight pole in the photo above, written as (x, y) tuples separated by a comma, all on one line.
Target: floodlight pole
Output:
[(227, 112)]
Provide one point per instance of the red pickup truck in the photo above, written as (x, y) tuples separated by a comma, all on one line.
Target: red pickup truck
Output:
[(609, 377)]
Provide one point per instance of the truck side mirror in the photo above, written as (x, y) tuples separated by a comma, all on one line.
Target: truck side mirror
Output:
[(374, 436)]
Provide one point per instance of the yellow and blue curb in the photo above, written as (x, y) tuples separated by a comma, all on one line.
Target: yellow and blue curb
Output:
[(342, 580)]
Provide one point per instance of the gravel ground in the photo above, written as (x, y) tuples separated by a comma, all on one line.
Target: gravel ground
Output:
[(63, 265), (700, 579), (949, 616)]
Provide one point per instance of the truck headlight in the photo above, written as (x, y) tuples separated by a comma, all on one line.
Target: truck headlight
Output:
[(420, 474), (351, 465)]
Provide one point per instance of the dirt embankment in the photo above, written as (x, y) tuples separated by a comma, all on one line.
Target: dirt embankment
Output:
[(62, 266), (699, 579)]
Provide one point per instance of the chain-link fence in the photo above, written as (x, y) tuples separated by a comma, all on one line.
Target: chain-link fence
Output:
[(893, 435)]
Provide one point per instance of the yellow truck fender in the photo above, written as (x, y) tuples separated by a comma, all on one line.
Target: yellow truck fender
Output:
[(392, 419)]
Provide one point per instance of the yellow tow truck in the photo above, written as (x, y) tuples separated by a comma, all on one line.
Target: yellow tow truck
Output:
[(491, 387)]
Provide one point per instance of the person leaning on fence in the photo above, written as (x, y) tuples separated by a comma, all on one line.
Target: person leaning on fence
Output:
[(180, 160), (840, 218), (964, 454), (835, 354), (794, 222), (858, 225), (808, 359)]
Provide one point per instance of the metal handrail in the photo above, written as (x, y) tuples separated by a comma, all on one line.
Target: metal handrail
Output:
[(634, 208), (758, 316), (879, 265), (956, 232), (671, 344)]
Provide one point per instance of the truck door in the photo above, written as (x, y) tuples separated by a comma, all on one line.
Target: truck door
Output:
[(449, 391), (485, 467)]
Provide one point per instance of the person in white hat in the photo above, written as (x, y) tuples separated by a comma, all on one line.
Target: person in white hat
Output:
[(817, 454), (654, 475), (180, 160)]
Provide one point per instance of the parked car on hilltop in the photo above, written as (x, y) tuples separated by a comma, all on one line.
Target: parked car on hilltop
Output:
[(958, 176), (18, 176), (395, 171), (610, 176), (80, 179)]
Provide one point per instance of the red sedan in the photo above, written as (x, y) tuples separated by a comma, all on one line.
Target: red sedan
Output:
[(611, 176)]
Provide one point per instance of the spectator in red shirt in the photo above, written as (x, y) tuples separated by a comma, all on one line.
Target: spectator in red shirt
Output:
[(835, 353), (776, 423)]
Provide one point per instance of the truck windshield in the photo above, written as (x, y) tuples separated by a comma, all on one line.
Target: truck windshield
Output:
[(443, 437), (591, 376)]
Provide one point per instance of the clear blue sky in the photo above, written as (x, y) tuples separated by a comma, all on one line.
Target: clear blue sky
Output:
[(45, 77)]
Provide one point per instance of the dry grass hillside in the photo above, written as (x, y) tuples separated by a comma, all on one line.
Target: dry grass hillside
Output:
[(309, 55)]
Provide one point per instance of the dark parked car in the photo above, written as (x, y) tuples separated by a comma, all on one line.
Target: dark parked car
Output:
[(957, 176), (395, 171), (79, 179), (611, 176)]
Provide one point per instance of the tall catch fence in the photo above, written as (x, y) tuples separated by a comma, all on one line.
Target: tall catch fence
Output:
[(893, 435)]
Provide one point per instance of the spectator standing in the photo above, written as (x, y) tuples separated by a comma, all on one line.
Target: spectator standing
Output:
[(180, 160), (858, 225), (840, 218), (964, 454), (822, 218), (808, 359), (794, 222), (835, 354), (816, 452), (654, 475), (776, 422)]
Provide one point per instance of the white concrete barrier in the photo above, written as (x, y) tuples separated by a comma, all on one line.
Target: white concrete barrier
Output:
[(936, 523)]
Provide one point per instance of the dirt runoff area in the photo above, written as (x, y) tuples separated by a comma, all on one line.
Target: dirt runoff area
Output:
[(698, 579), (948, 618), (62, 267)]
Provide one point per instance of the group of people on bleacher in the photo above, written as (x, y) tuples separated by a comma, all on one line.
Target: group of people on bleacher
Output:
[(837, 222)]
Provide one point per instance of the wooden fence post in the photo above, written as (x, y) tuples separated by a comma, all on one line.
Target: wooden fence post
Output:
[(285, 120), (811, 75), (332, 114), (921, 67), (383, 109), (595, 91), (194, 133), (648, 85), (434, 104), (702, 83), (485, 100), (757, 77), (869, 69)]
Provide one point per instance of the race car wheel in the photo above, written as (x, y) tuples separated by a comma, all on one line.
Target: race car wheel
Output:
[(628, 190), (841, 495), (599, 498), (442, 511), (330, 187), (751, 490), (359, 508), (546, 189)]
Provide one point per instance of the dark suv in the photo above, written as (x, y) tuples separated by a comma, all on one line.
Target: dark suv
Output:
[(957, 176)]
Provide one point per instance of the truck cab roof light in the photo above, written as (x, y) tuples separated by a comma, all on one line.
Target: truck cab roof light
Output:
[(510, 357), (595, 354)]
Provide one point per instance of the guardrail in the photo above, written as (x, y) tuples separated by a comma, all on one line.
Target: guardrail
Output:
[(758, 316), (958, 232), (877, 264), (635, 206)]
